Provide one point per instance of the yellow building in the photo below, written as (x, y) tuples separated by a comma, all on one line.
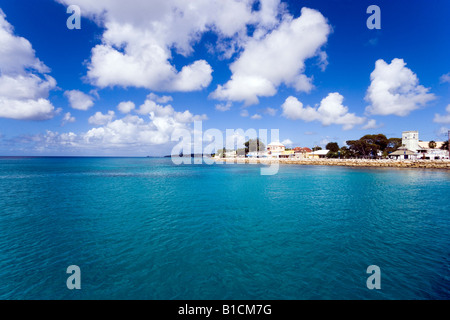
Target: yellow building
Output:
[(275, 149), (287, 154)]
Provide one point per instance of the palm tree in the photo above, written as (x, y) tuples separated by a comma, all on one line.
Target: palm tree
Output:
[(432, 144)]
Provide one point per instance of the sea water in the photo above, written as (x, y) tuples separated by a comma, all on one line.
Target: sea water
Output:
[(143, 228)]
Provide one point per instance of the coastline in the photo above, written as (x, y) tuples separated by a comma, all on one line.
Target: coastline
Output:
[(385, 163)]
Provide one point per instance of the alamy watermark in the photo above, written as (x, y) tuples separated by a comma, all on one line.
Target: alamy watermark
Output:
[(74, 21), (74, 280), (374, 280), (374, 21), (197, 147)]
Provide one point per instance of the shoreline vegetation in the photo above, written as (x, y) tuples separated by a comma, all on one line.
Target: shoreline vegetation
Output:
[(380, 163)]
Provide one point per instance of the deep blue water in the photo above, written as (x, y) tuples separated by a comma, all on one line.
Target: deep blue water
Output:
[(147, 229)]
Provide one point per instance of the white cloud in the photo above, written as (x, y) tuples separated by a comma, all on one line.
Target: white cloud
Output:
[(154, 110), (395, 90), (139, 39), (159, 99), (443, 118), (371, 124), (132, 134), (277, 58), (330, 111), (270, 111), (287, 142), (244, 113), (256, 116), (67, 119), (24, 80), (445, 78), (224, 106), (40, 109), (126, 107), (79, 100), (100, 119), (144, 63), (133, 130)]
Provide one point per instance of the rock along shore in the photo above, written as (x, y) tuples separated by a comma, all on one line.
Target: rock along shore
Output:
[(422, 164)]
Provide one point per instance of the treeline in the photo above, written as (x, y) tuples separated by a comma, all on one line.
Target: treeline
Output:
[(371, 146)]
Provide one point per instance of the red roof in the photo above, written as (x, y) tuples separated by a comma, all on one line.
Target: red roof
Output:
[(298, 149)]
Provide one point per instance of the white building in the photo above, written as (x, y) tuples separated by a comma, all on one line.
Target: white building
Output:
[(410, 140), (413, 148), (318, 154), (275, 149)]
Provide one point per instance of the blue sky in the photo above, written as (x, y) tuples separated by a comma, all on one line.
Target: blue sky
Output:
[(179, 63)]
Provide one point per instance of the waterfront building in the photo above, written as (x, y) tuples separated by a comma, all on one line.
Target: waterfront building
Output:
[(319, 154), (412, 148), (410, 140), (301, 153), (403, 153), (275, 149), (287, 154)]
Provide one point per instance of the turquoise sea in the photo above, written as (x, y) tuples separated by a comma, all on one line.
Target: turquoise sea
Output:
[(142, 228)]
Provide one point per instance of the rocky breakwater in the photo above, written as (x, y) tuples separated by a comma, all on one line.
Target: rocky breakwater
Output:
[(421, 164)]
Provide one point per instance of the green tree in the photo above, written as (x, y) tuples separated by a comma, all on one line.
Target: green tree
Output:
[(359, 148), (346, 153), (445, 145), (332, 154), (253, 145), (432, 144), (393, 145), (316, 148), (332, 146), (369, 145)]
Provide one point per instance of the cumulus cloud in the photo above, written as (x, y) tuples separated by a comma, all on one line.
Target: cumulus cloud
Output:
[(24, 80), (330, 111), (163, 121), (395, 90), (443, 118), (131, 133), (153, 109), (276, 58), (137, 46), (244, 113), (371, 124), (256, 116), (79, 100), (100, 119), (159, 99), (287, 142), (270, 111), (224, 106), (67, 119), (126, 106), (445, 78)]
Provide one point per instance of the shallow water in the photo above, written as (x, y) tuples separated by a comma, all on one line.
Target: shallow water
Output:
[(144, 228)]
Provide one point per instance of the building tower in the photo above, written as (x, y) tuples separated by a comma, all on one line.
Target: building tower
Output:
[(410, 140)]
